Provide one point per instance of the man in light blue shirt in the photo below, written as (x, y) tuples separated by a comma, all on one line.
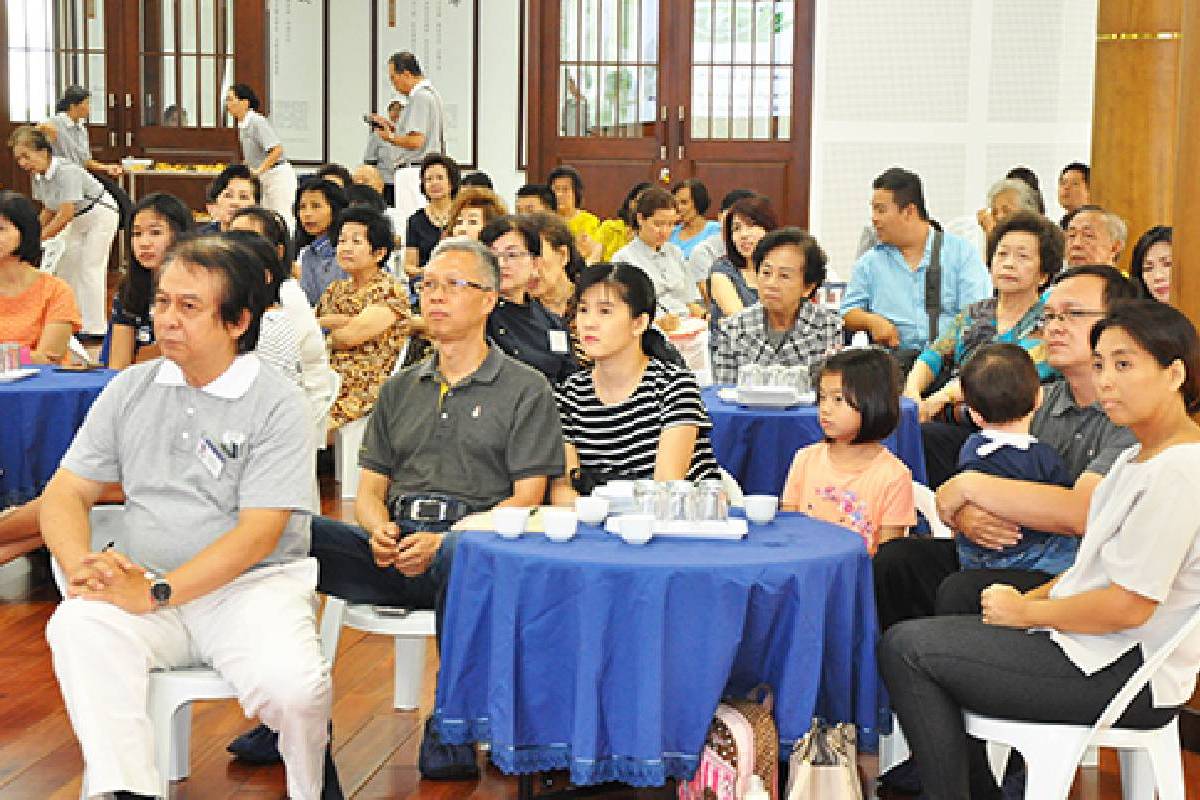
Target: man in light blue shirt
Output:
[(886, 295)]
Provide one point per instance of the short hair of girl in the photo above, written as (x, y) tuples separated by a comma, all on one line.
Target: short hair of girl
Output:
[(477, 197), (815, 260), (627, 213), (1000, 382), (138, 284), (653, 200), (449, 164), (244, 284), (29, 136), (243, 91), (334, 195), (379, 228), (871, 385), (635, 290), (698, 191), (567, 171), (1159, 233), (273, 226), (1163, 332), (554, 230), (757, 209), (1052, 242), (20, 211), (512, 223), (266, 257)]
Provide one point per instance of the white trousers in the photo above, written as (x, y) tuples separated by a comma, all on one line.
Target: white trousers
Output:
[(279, 191), (87, 241), (258, 632), (409, 199)]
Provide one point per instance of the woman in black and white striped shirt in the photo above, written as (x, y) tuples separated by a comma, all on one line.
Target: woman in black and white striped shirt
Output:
[(637, 413)]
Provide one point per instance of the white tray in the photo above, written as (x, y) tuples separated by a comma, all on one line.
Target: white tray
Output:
[(770, 396), (17, 374), (733, 528)]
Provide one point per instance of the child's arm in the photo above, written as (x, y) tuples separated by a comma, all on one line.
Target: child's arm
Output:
[(792, 498), (889, 532)]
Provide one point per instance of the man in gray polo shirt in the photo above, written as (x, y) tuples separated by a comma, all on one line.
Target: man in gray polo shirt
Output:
[(419, 131), (919, 577), (213, 453)]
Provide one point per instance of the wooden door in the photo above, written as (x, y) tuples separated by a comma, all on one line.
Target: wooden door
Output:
[(178, 69), (664, 90), (48, 46)]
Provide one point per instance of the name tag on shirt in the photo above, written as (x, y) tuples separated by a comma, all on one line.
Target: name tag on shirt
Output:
[(210, 457), (559, 342)]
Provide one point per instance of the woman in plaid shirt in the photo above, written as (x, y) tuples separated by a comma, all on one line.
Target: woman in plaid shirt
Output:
[(785, 326)]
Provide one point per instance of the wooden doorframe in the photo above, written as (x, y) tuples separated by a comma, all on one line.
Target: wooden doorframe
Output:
[(543, 97)]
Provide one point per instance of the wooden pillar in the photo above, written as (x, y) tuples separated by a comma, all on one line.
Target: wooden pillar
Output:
[(1134, 135), (1185, 279)]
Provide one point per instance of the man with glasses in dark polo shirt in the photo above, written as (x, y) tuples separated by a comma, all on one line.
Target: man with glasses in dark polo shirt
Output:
[(468, 430)]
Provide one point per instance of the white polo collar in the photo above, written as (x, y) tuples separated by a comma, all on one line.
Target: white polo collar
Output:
[(246, 119), (231, 384), (998, 439)]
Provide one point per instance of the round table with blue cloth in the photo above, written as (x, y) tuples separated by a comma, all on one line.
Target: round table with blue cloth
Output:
[(756, 445), (38, 420), (609, 659)]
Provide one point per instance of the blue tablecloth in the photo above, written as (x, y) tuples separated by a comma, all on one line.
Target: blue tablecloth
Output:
[(38, 420), (756, 445), (609, 659)]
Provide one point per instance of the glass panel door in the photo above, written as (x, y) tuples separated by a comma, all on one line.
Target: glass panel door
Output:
[(742, 69), (52, 46), (608, 68), (185, 61)]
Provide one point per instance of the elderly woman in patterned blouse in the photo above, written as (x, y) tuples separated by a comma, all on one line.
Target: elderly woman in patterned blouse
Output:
[(367, 314), (785, 326)]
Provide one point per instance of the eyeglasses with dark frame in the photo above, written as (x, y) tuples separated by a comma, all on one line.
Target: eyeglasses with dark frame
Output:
[(1068, 315)]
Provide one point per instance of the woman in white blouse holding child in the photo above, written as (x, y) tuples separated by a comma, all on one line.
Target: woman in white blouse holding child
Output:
[(1059, 653)]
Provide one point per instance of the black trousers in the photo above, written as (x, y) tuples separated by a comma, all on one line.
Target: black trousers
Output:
[(934, 668), (921, 578)]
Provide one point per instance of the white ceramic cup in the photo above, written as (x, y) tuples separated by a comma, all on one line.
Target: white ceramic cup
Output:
[(510, 521), (592, 510), (636, 528), (761, 508), (559, 523)]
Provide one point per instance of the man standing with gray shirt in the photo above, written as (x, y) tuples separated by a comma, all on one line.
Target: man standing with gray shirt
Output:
[(213, 453), (419, 132)]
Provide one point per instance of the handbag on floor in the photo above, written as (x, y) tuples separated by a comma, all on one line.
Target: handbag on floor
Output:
[(824, 764), (741, 741)]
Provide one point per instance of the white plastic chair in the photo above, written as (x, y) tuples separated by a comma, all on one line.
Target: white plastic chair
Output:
[(172, 691), (410, 632), (1150, 759), (347, 441), (926, 503)]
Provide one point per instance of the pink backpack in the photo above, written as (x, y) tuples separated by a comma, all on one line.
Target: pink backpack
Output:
[(741, 742)]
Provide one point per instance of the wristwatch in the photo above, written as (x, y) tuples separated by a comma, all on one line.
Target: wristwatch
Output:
[(160, 590)]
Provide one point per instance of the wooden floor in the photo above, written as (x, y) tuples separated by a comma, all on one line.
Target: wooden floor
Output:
[(375, 746)]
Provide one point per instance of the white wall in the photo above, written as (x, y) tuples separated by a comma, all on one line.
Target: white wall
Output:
[(351, 75), (958, 92)]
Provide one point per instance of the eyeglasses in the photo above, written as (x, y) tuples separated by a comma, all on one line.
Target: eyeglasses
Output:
[(450, 286), (1070, 315), (511, 255)]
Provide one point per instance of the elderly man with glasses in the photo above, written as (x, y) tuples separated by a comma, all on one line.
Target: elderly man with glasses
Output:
[(468, 430)]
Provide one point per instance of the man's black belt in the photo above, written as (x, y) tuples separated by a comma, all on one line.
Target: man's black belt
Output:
[(427, 512)]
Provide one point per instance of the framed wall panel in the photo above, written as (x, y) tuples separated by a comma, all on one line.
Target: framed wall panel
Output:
[(444, 36), (298, 74)]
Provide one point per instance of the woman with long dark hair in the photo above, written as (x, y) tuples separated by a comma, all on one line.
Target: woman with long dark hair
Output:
[(637, 412), (156, 223)]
